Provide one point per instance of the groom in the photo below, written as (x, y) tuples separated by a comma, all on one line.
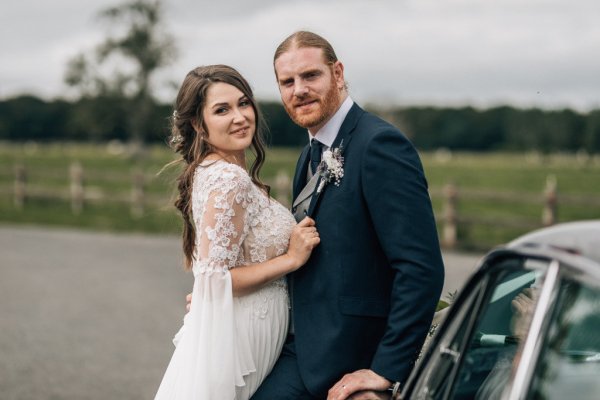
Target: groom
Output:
[(363, 303)]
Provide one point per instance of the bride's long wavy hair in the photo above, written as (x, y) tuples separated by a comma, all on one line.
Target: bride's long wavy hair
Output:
[(193, 146)]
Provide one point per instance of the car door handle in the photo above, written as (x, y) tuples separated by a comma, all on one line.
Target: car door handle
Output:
[(452, 353)]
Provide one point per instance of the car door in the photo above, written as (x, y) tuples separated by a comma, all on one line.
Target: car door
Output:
[(473, 354)]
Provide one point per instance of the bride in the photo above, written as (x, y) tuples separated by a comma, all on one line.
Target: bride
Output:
[(239, 243)]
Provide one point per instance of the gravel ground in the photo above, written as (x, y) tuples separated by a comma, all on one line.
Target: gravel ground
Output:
[(90, 315)]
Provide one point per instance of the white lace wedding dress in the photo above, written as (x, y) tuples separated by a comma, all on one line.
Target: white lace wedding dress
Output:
[(227, 344)]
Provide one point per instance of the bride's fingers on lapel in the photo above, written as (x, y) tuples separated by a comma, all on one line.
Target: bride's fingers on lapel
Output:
[(308, 221), (305, 222)]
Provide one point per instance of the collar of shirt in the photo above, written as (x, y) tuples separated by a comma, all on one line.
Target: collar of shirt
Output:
[(329, 131)]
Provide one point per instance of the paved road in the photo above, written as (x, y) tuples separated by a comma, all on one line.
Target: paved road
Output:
[(90, 315)]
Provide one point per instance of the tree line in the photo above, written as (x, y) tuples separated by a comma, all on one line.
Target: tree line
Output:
[(105, 117), (499, 128), (120, 105)]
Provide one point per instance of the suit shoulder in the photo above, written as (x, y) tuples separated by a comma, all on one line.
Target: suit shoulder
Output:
[(372, 127)]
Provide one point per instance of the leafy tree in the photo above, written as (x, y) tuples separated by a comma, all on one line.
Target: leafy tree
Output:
[(592, 133), (282, 130), (139, 40), (30, 118), (546, 131), (97, 119), (454, 128)]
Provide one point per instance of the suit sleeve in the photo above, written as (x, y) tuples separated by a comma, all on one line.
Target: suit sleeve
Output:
[(395, 190)]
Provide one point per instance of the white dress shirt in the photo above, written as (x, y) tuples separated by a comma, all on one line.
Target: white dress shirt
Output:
[(329, 131)]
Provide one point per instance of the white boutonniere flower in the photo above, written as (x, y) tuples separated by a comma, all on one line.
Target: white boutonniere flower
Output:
[(331, 168)]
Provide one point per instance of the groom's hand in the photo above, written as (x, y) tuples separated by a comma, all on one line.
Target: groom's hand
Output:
[(363, 380), (188, 301), (370, 395)]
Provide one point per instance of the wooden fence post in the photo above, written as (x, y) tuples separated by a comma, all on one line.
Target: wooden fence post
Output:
[(137, 194), (550, 201), (77, 192), (449, 230), (20, 186), (283, 185)]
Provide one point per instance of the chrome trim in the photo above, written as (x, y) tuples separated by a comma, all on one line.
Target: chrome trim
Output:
[(447, 351), (532, 346)]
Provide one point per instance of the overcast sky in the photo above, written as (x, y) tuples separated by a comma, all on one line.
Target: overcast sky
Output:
[(542, 53)]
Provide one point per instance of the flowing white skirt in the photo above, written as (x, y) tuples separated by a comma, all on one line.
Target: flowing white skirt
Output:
[(226, 346)]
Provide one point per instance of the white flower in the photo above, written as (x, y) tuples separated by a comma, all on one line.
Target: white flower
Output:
[(331, 168)]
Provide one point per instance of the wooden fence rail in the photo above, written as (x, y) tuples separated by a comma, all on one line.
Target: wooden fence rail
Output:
[(78, 194), (20, 185), (449, 220)]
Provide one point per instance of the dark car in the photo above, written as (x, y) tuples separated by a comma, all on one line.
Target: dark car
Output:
[(525, 326)]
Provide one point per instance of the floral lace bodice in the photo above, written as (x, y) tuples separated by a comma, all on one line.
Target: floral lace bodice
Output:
[(236, 223)]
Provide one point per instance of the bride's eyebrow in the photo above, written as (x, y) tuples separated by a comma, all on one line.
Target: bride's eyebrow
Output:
[(224, 103), (219, 104)]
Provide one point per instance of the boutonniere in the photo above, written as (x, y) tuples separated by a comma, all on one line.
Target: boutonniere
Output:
[(331, 167)]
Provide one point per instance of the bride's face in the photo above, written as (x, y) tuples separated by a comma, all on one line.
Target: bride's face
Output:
[(229, 118)]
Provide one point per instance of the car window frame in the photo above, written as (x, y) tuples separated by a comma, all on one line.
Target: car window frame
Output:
[(473, 301), (521, 380)]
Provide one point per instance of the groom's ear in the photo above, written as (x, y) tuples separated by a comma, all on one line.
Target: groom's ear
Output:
[(338, 73)]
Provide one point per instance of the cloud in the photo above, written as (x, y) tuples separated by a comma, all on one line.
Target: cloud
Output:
[(539, 52)]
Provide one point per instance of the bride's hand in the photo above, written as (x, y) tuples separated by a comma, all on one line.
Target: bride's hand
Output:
[(303, 240)]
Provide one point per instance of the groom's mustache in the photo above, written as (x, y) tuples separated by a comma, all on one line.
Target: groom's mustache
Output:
[(304, 101)]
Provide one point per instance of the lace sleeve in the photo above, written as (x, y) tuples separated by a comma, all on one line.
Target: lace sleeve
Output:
[(222, 225), (207, 363)]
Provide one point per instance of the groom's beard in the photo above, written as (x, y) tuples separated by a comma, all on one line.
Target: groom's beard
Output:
[(324, 108)]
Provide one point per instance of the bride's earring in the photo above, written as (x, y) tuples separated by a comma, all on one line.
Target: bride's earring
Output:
[(203, 138)]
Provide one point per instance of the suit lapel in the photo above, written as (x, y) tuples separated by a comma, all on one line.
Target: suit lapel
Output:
[(307, 191), (300, 174), (341, 140)]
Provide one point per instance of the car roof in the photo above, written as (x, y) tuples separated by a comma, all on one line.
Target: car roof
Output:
[(581, 237)]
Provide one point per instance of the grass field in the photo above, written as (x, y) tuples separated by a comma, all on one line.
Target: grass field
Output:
[(504, 190)]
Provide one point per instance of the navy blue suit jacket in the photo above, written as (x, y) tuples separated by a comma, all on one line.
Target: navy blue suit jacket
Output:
[(366, 296)]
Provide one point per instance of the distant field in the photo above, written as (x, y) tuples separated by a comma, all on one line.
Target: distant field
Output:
[(500, 195), (510, 188)]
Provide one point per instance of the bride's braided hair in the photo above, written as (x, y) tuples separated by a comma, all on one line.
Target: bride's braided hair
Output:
[(193, 146)]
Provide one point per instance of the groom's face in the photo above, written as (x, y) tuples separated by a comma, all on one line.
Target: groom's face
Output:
[(311, 89)]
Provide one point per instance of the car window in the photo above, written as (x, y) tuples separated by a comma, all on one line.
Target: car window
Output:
[(502, 324), (436, 377), (569, 364), (477, 348)]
